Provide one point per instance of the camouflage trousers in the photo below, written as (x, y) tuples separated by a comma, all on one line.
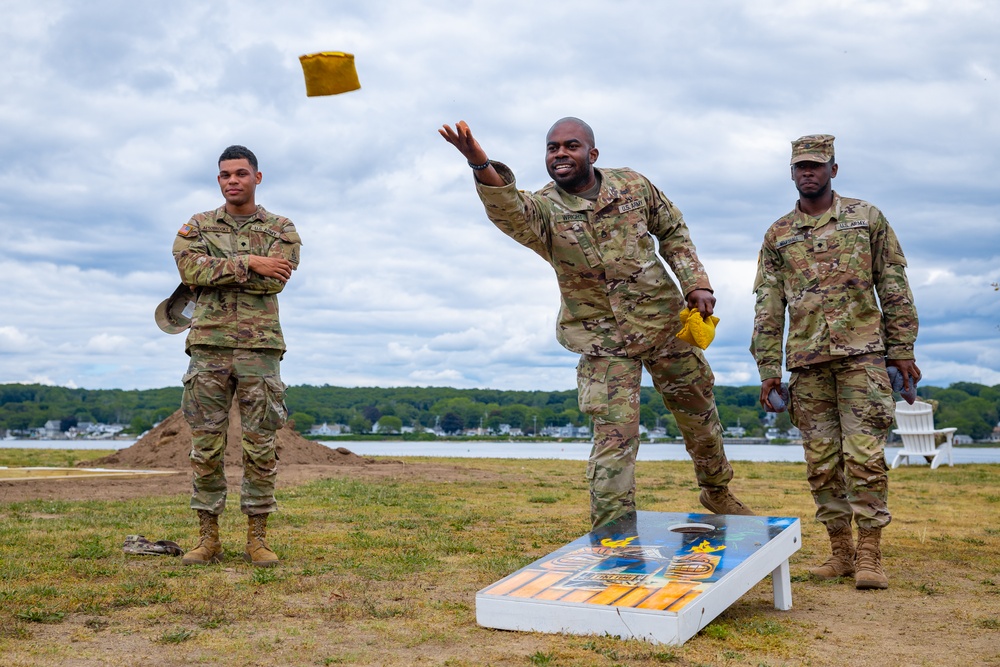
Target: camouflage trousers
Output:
[(609, 392), (844, 409), (215, 375)]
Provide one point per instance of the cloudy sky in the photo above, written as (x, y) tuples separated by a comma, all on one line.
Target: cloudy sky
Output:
[(113, 115)]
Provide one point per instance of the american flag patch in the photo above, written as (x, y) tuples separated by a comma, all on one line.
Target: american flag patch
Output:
[(185, 230)]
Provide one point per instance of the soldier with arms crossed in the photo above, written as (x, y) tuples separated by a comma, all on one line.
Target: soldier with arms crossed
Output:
[(824, 263), (619, 310), (236, 259)]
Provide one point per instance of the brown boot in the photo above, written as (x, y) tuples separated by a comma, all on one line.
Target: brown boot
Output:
[(841, 563), (722, 501), (257, 551), (209, 549), (868, 572)]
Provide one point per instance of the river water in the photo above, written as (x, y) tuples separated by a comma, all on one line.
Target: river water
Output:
[(575, 451)]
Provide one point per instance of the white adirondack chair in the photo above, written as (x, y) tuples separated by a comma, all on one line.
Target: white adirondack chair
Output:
[(916, 428)]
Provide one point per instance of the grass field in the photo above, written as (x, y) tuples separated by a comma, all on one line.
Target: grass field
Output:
[(385, 571)]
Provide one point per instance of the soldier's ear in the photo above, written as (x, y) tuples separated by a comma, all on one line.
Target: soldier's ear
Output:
[(833, 171), (259, 176), (593, 155)]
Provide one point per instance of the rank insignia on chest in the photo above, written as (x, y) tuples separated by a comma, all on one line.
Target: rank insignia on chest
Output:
[(630, 206), (185, 231)]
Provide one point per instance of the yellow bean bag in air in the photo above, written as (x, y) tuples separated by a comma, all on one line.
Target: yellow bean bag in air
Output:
[(329, 73)]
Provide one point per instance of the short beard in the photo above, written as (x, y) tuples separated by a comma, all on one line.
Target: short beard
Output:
[(577, 184)]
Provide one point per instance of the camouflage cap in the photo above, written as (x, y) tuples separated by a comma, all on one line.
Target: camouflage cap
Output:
[(173, 315), (813, 148)]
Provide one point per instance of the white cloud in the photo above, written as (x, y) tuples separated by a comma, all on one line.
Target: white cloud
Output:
[(13, 340)]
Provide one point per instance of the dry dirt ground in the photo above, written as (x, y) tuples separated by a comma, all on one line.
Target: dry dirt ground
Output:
[(848, 627), (166, 448)]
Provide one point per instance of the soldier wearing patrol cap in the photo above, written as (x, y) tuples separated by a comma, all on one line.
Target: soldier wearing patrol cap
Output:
[(233, 262), (824, 262), (620, 309)]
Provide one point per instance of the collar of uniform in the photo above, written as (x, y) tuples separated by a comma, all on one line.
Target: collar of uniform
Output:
[(221, 215), (806, 220), (607, 194)]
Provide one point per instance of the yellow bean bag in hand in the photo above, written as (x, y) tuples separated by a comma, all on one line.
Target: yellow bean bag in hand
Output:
[(697, 331)]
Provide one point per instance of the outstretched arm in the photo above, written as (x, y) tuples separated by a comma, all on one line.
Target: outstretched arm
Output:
[(462, 139)]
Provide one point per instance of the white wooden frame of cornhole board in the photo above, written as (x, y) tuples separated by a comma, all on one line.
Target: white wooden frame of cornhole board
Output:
[(656, 576)]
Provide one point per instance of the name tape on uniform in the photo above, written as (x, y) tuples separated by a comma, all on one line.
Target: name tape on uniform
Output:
[(851, 224), (631, 206)]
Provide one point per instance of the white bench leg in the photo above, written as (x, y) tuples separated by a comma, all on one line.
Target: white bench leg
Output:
[(781, 582)]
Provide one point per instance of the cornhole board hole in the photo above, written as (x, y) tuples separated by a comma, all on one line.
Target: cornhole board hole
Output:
[(656, 576)]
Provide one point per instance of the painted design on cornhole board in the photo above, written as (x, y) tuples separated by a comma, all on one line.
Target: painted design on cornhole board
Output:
[(657, 576)]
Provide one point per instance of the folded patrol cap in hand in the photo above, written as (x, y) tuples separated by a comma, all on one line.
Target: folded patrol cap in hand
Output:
[(813, 148), (778, 398), (897, 381), (697, 331), (329, 73), (173, 314)]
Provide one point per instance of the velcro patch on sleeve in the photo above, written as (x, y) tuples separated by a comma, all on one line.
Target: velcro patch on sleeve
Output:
[(187, 231)]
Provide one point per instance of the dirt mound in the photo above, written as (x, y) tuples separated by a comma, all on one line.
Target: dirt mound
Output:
[(167, 446)]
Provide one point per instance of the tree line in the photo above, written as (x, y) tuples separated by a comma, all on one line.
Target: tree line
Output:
[(974, 409)]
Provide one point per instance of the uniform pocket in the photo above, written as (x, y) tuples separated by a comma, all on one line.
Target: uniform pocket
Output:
[(857, 256), (592, 385), (574, 244), (792, 403), (881, 408), (190, 405), (636, 231), (275, 413)]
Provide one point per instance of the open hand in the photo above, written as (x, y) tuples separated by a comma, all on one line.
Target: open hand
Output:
[(462, 139)]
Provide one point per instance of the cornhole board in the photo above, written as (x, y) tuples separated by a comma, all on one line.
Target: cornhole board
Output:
[(656, 576)]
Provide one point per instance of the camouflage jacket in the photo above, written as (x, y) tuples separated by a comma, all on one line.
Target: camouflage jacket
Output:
[(617, 298), (826, 271), (236, 307)]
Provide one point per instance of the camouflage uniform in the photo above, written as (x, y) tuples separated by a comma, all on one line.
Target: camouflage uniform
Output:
[(619, 311), (235, 344), (826, 272)]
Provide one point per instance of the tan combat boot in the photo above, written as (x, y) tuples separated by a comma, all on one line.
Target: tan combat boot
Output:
[(868, 572), (257, 551), (209, 549), (722, 501), (841, 563)]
